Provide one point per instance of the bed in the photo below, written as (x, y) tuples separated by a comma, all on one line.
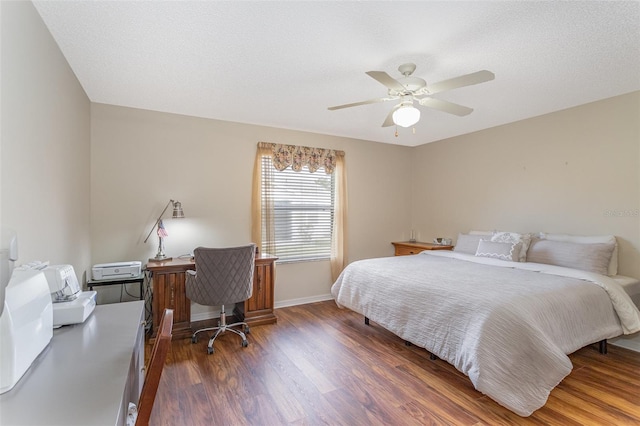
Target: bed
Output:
[(506, 324)]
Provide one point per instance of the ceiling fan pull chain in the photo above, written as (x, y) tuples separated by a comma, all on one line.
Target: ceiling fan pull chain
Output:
[(396, 131)]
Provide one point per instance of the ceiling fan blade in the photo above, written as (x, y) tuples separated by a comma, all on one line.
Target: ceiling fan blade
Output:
[(463, 80), (370, 101), (387, 80), (389, 120), (446, 106)]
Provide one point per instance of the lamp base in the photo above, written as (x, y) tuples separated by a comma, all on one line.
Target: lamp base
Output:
[(160, 259)]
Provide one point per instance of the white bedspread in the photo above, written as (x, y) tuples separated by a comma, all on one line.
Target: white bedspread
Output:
[(506, 325)]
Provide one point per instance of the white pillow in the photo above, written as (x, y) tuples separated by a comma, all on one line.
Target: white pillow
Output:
[(505, 250), (514, 237), (589, 239)]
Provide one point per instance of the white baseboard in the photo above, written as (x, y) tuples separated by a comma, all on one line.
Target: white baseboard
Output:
[(203, 316), (303, 301)]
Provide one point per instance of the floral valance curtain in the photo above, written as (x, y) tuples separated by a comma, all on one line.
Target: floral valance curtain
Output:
[(300, 156)]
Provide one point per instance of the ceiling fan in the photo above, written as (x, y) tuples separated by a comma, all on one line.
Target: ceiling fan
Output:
[(410, 90)]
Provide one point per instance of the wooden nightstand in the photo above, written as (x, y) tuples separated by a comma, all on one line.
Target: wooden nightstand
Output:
[(405, 248)]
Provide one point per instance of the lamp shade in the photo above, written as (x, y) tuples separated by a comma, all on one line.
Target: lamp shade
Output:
[(177, 210), (406, 115)]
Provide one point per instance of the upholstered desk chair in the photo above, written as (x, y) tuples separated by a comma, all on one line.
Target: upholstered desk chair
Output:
[(222, 276), (154, 368)]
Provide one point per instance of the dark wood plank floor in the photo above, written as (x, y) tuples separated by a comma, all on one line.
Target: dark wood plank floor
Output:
[(321, 365)]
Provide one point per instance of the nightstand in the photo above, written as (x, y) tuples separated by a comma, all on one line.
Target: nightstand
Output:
[(405, 248)]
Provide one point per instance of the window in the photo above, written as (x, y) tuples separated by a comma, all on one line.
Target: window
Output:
[(302, 212), (299, 204)]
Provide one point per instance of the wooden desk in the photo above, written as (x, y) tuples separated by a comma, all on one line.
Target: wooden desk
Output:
[(168, 289), (87, 375), (168, 284), (259, 308)]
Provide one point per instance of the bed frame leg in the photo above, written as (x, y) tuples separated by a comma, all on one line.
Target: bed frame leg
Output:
[(366, 321), (602, 346)]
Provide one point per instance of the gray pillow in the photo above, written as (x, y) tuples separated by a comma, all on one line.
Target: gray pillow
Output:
[(587, 257), (468, 243)]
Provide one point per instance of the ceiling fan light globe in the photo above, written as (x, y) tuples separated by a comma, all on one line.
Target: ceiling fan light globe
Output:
[(406, 116)]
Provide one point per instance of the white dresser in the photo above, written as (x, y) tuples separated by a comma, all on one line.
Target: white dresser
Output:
[(86, 376)]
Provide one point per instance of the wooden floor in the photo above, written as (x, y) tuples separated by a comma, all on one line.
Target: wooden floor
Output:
[(322, 365)]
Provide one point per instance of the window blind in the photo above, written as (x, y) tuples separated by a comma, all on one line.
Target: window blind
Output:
[(301, 212)]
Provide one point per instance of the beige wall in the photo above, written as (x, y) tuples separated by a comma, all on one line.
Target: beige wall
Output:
[(140, 159), (83, 183), (575, 171), (45, 144)]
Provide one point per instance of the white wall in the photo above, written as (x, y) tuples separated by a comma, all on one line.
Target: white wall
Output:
[(140, 159), (575, 171), (45, 142)]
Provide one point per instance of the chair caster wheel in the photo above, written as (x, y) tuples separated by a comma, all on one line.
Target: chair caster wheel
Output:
[(194, 339), (245, 343), (247, 330), (209, 350)]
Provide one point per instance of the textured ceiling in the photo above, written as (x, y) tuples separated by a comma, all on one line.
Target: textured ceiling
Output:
[(282, 64)]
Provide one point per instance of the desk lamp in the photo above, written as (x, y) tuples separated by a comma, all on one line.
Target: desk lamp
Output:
[(162, 233)]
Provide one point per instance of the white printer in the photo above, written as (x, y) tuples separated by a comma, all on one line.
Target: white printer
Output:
[(112, 271)]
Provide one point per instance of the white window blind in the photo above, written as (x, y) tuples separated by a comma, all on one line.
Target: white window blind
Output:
[(301, 214)]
